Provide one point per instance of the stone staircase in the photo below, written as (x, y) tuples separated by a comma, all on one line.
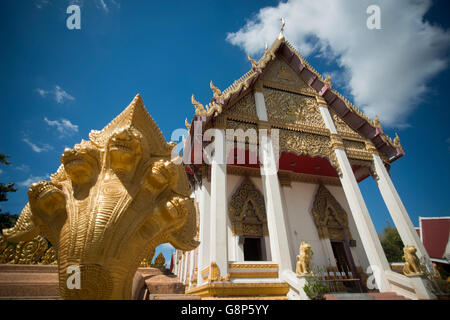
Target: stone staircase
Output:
[(155, 284), (40, 282), (365, 296)]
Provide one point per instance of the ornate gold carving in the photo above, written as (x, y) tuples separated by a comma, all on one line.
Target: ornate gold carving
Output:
[(26, 252), (329, 217), (336, 141), (303, 265), (412, 264), (293, 109), (321, 101), (341, 126), (112, 201), (49, 257), (370, 147), (308, 144), (244, 108), (200, 110), (279, 73), (214, 273), (247, 211)]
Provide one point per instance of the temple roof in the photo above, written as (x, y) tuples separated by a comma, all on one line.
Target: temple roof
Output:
[(351, 115)]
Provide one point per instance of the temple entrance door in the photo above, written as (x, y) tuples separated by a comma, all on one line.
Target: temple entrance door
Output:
[(252, 249), (344, 260)]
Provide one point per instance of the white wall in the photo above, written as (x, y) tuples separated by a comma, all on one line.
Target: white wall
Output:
[(299, 199)]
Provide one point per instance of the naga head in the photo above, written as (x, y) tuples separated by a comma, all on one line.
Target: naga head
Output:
[(47, 198), (125, 149), (81, 163)]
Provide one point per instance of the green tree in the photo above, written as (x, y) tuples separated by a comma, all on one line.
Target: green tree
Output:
[(392, 243), (7, 220)]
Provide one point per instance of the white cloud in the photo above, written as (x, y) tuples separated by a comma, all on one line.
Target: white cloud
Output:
[(387, 69), (22, 167), (61, 95), (65, 127), (36, 148), (40, 3), (105, 4), (42, 93), (58, 94), (32, 179)]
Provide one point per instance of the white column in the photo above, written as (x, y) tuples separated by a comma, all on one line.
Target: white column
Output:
[(175, 264), (276, 223), (185, 267), (218, 209), (191, 266), (180, 267), (398, 211), (358, 209), (205, 227)]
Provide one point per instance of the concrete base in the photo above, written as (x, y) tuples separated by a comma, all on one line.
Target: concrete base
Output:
[(40, 282), (19, 281)]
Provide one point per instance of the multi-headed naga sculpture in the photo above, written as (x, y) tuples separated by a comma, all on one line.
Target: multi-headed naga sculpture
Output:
[(111, 202)]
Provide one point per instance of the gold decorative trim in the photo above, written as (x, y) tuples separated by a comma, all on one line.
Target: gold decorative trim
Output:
[(284, 178), (247, 211), (240, 275), (336, 141), (294, 176), (370, 147), (229, 289), (289, 89), (253, 266), (329, 217)]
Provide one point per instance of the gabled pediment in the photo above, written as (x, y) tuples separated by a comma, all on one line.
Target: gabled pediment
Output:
[(292, 89)]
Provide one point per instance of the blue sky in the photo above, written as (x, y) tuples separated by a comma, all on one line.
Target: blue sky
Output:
[(58, 84)]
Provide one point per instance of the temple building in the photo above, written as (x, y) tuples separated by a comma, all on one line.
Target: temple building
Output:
[(312, 148)]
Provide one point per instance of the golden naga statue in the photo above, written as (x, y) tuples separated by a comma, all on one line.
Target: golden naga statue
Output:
[(111, 202), (304, 259), (412, 264)]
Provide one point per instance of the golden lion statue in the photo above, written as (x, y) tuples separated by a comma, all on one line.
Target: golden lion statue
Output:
[(112, 201), (304, 259), (412, 263)]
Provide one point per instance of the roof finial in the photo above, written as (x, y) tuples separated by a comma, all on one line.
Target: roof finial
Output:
[(281, 36), (397, 143), (376, 122)]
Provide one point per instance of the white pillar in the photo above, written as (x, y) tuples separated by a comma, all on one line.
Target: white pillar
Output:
[(205, 227), (186, 266), (218, 209), (276, 222), (398, 211), (191, 266), (358, 209), (175, 264)]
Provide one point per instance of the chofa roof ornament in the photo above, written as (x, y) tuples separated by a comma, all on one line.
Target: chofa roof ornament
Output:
[(210, 109), (281, 35)]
